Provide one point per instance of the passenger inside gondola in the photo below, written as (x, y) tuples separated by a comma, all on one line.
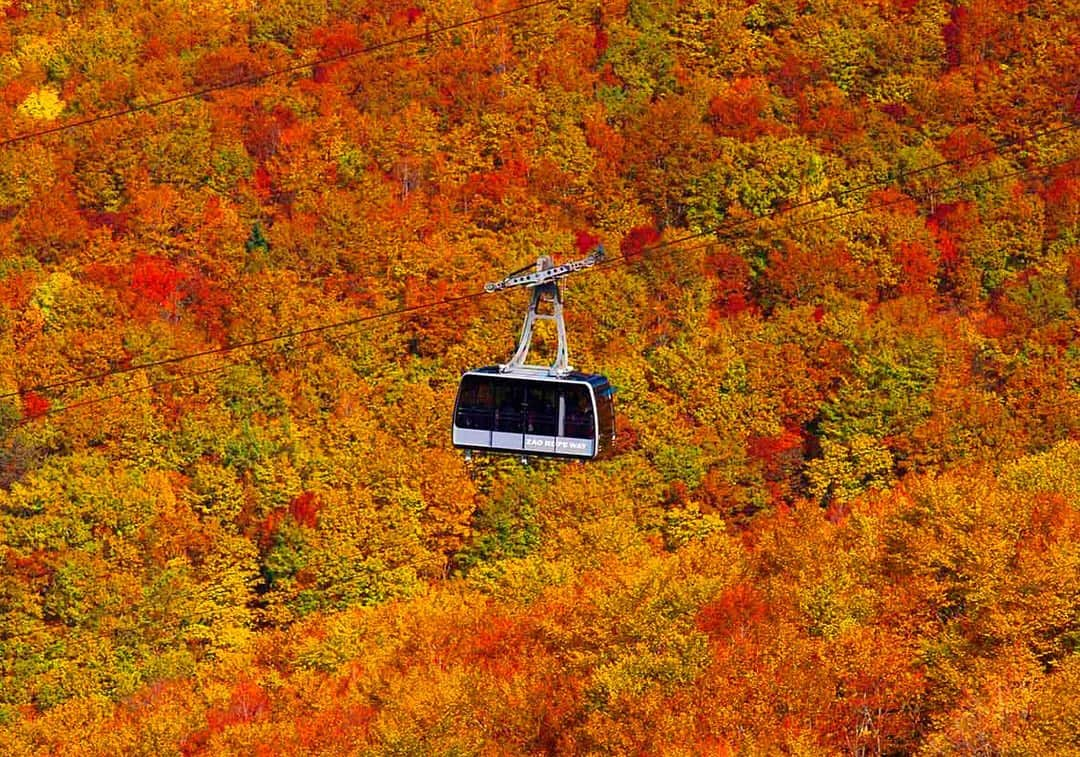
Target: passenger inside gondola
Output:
[(579, 414), (508, 413), (543, 417)]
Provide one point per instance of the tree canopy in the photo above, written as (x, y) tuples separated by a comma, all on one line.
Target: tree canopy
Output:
[(842, 314)]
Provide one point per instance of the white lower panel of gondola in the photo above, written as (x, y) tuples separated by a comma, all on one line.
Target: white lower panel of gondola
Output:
[(511, 441), (472, 437)]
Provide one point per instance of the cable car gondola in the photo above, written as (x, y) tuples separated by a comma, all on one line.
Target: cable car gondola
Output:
[(531, 410)]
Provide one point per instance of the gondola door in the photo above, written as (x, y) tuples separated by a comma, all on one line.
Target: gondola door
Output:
[(508, 432), (541, 417), (577, 421)]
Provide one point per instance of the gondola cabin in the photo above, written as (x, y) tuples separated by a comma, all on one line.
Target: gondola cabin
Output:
[(528, 411)]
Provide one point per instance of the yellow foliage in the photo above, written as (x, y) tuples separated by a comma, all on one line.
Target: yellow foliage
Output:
[(42, 105)]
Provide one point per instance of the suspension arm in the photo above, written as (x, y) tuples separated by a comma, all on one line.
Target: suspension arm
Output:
[(544, 275)]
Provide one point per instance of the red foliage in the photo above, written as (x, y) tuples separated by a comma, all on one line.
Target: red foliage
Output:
[(1064, 189), (14, 92), (495, 185), (16, 289), (432, 330), (156, 280), (489, 184), (770, 449), (268, 526), (901, 113), (406, 17), (609, 77), (155, 283), (833, 119), (953, 34), (116, 221), (52, 223), (917, 269), (626, 437), (262, 131), (737, 609), (212, 214), (304, 508), (323, 730), (1053, 520), (738, 112), (496, 646), (955, 216), (233, 63), (1072, 278), (33, 566), (796, 73), (154, 48), (340, 39), (994, 326), (600, 40), (781, 459), (335, 43), (946, 222), (895, 200), (950, 255), (585, 242), (732, 285), (966, 140), (678, 493), (107, 275), (605, 140), (1062, 195), (634, 244), (982, 30), (247, 702), (263, 183), (797, 274), (34, 405)]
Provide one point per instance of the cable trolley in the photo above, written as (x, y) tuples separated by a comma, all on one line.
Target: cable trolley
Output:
[(533, 410)]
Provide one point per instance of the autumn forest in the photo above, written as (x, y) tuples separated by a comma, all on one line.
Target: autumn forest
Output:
[(243, 249)]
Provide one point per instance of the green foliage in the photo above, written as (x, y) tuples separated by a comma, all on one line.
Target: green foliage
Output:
[(1043, 298), (184, 155), (644, 65), (505, 528), (684, 524), (258, 249), (848, 467)]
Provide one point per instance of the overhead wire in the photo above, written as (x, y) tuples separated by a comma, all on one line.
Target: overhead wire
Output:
[(257, 78), (244, 81), (242, 345), (124, 392), (715, 232), (670, 247), (140, 389), (784, 209)]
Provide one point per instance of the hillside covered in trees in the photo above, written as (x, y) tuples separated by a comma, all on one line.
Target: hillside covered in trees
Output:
[(841, 309)]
